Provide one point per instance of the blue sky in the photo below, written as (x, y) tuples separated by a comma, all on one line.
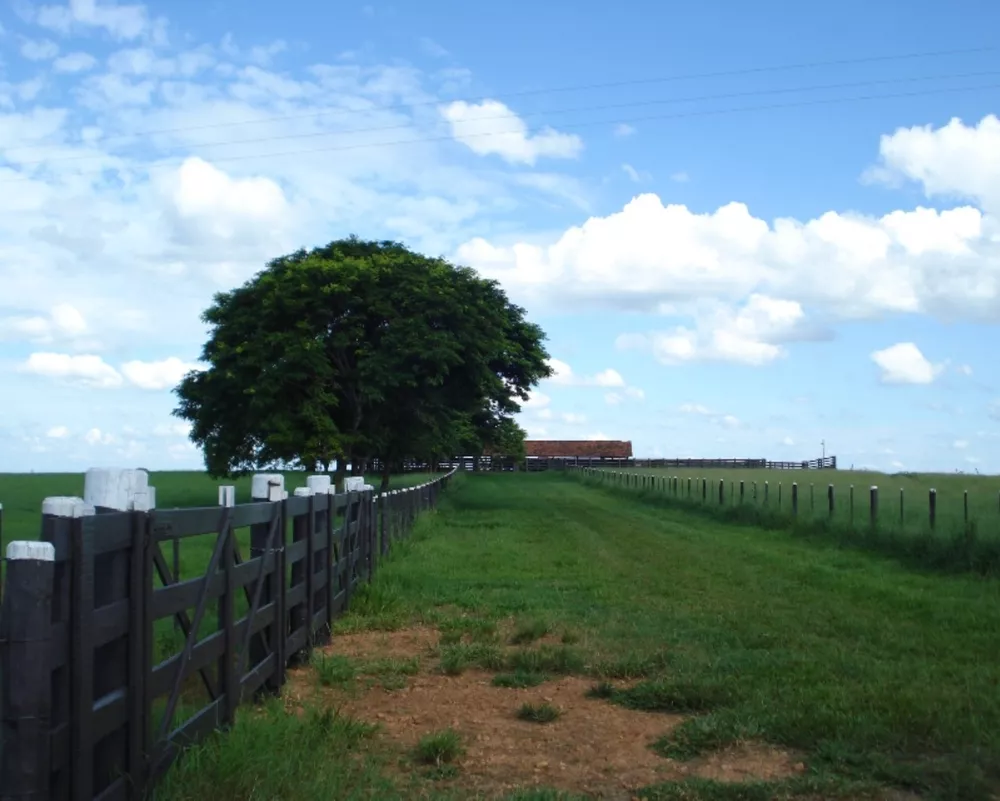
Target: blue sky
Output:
[(733, 255)]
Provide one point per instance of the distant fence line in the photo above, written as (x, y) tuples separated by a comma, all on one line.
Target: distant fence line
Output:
[(712, 491), (90, 700), (555, 462)]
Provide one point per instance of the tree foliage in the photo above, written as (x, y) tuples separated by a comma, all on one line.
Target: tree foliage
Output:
[(359, 350)]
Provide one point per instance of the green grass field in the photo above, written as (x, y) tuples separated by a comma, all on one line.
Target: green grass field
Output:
[(959, 540), (885, 680), (22, 493)]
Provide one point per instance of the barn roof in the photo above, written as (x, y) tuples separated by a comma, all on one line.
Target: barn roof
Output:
[(594, 449)]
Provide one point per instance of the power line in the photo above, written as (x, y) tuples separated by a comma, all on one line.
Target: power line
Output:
[(513, 116), (27, 144), (592, 123)]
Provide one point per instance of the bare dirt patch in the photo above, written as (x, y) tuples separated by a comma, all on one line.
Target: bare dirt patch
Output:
[(594, 747)]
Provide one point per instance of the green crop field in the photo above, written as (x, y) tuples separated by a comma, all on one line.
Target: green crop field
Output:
[(22, 493), (875, 679)]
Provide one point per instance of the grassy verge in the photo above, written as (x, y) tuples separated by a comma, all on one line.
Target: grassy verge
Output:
[(953, 545), (879, 676)]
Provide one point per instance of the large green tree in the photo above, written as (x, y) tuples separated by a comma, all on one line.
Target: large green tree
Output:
[(357, 350)]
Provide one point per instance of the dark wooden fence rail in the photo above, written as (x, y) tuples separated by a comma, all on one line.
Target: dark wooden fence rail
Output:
[(124, 664)]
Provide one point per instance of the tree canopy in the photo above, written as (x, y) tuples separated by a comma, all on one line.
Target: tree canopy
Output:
[(358, 350)]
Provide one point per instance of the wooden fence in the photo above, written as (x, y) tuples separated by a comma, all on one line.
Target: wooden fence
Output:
[(101, 692)]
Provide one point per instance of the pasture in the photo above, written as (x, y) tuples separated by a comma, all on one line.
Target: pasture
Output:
[(965, 535), (22, 493), (539, 637)]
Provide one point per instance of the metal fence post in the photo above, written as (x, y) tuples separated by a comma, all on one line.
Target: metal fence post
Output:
[(26, 671)]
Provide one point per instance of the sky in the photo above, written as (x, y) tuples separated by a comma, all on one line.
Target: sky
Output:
[(763, 230)]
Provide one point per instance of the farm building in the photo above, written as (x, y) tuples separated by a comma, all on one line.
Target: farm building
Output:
[(576, 450)]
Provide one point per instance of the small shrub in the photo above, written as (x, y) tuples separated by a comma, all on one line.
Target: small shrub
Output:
[(570, 638), (439, 748), (538, 713), (529, 631), (519, 680)]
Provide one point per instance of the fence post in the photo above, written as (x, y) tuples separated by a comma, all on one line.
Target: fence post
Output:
[(829, 499), (779, 494), (268, 488), (795, 498), (873, 506), (767, 490), (812, 497), (852, 505), (965, 506), (704, 489), (741, 493), (755, 492), (900, 506), (26, 671), (722, 492), (932, 506)]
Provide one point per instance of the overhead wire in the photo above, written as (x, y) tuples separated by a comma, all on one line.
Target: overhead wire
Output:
[(743, 71), (551, 112), (590, 123)]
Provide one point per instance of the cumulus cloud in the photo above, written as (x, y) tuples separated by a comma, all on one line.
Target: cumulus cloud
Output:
[(623, 129), (164, 374), (97, 437), (651, 255), (86, 370), (563, 374), (57, 432), (490, 128), (63, 321), (752, 334), (903, 363), (955, 160)]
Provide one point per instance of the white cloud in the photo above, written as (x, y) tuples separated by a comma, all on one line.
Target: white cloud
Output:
[(634, 174), (536, 400), (787, 441), (693, 408), (57, 432), (96, 437), (903, 363), (164, 374), (39, 49), (955, 160), (563, 374), (628, 393), (749, 335), (599, 435), (964, 369), (432, 48), (175, 429), (960, 444), (622, 130), (121, 21), (680, 177), (573, 419), (491, 128), (87, 370), (63, 321), (74, 62)]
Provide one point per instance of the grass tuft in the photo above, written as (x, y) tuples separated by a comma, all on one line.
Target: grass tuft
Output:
[(456, 659), (603, 689), (519, 680), (439, 748), (529, 631), (334, 670), (538, 713), (558, 659)]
